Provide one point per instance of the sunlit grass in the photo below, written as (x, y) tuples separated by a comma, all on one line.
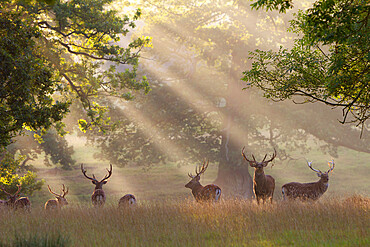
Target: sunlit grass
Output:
[(335, 222)]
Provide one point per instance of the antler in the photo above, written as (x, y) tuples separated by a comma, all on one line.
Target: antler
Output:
[(109, 174), (331, 167), (53, 192), (245, 157), (310, 166), (84, 173), (201, 170), (253, 162), (2, 188), (19, 189), (272, 158), (64, 192)]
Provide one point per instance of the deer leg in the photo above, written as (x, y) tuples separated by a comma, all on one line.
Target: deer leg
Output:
[(258, 200)]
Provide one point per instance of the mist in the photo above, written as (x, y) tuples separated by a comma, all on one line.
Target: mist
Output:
[(200, 109)]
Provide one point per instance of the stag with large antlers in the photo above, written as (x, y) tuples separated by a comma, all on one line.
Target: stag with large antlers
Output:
[(15, 202), (263, 185), (59, 201), (98, 196), (210, 192), (308, 191)]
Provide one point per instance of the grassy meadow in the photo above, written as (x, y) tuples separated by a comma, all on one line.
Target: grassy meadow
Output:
[(333, 222), (166, 214)]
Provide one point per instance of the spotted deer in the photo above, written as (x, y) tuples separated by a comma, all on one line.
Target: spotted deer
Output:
[(98, 197), (14, 202), (263, 185), (126, 201), (59, 201), (209, 192), (308, 191)]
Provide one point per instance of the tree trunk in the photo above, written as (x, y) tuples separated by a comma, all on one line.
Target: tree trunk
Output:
[(233, 174), (234, 180)]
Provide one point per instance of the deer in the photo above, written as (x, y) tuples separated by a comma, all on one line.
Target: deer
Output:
[(15, 202), (127, 201), (59, 201), (98, 196), (201, 193), (308, 191), (263, 185)]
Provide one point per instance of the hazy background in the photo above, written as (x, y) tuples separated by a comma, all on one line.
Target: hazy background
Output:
[(198, 110)]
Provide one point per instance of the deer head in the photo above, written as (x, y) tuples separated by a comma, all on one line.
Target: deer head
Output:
[(12, 198), (324, 176), (98, 184), (195, 178), (258, 166), (60, 197)]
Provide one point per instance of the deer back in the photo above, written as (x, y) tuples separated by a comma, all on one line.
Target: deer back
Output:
[(126, 201), (23, 203), (308, 191), (210, 192), (98, 197), (52, 204), (304, 191)]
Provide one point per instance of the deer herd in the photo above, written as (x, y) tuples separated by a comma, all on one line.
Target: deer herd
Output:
[(263, 188)]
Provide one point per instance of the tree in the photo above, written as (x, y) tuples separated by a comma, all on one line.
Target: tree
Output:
[(53, 54), (192, 51), (9, 179), (26, 80), (197, 109), (55, 148), (329, 63)]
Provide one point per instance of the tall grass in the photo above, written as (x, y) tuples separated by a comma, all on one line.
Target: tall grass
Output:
[(334, 222)]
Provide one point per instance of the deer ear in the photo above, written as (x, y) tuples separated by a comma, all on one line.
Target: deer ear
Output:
[(105, 182), (93, 182), (319, 175)]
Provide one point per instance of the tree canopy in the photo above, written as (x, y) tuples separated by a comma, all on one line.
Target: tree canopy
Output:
[(328, 63), (53, 54)]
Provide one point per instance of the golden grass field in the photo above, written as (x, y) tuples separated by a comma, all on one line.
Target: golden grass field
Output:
[(334, 222), (166, 214)]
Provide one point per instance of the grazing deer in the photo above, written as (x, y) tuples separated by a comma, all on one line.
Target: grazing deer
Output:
[(58, 202), (15, 202), (126, 201), (263, 185), (210, 192), (98, 196), (308, 191)]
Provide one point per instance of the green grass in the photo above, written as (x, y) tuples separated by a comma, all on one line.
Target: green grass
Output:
[(335, 222)]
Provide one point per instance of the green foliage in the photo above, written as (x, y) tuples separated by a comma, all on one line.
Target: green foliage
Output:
[(198, 56), (55, 52), (57, 149), (27, 81), (10, 179), (329, 63), (281, 5), (54, 147)]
